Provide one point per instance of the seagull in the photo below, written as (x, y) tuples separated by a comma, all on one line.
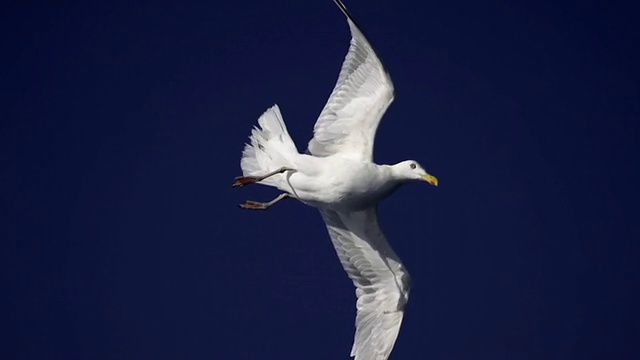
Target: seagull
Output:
[(337, 175)]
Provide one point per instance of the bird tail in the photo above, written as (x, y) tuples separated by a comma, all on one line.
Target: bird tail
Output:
[(270, 148)]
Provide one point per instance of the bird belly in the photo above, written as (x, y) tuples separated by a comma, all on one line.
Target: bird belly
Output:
[(339, 190)]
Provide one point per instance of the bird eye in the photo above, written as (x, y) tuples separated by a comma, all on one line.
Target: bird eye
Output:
[(413, 165)]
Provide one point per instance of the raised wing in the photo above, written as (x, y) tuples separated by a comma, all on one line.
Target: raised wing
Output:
[(347, 124), (382, 283)]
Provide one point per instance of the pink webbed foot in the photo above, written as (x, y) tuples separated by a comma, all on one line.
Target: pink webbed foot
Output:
[(254, 205), (244, 180)]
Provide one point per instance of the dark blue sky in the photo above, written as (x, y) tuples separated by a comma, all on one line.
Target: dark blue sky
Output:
[(122, 130)]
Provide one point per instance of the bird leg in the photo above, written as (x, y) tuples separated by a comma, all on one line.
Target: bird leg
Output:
[(246, 180), (254, 205)]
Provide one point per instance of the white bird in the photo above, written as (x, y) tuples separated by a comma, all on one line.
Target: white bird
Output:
[(338, 176)]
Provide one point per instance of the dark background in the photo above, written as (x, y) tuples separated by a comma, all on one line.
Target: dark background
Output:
[(121, 132)]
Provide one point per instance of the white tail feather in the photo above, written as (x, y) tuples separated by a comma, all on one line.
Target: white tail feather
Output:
[(270, 148)]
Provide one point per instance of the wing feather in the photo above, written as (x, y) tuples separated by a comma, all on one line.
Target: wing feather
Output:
[(382, 283), (348, 122)]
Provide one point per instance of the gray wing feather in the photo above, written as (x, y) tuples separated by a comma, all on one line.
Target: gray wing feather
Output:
[(350, 118), (382, 283)]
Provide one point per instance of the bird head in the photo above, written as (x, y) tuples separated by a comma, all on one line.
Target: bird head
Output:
[(411, 170)]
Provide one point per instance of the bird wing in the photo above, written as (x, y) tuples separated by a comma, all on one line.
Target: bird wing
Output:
[(348, 122), (382, 283)]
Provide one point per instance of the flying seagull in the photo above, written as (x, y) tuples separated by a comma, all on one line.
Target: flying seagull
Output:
[(337, 175)]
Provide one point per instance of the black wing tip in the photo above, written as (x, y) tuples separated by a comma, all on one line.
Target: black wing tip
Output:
[(346, 12), (342, 7)]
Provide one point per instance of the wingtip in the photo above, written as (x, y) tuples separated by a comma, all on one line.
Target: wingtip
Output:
[(353, 24), (340, 4), (344, 10)]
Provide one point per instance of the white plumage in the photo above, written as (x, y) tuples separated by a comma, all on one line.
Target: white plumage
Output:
[(339, 177), (271, 147), (363, 92), (382, 283)]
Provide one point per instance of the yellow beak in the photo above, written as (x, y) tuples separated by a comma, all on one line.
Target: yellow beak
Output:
[(431, 179)]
